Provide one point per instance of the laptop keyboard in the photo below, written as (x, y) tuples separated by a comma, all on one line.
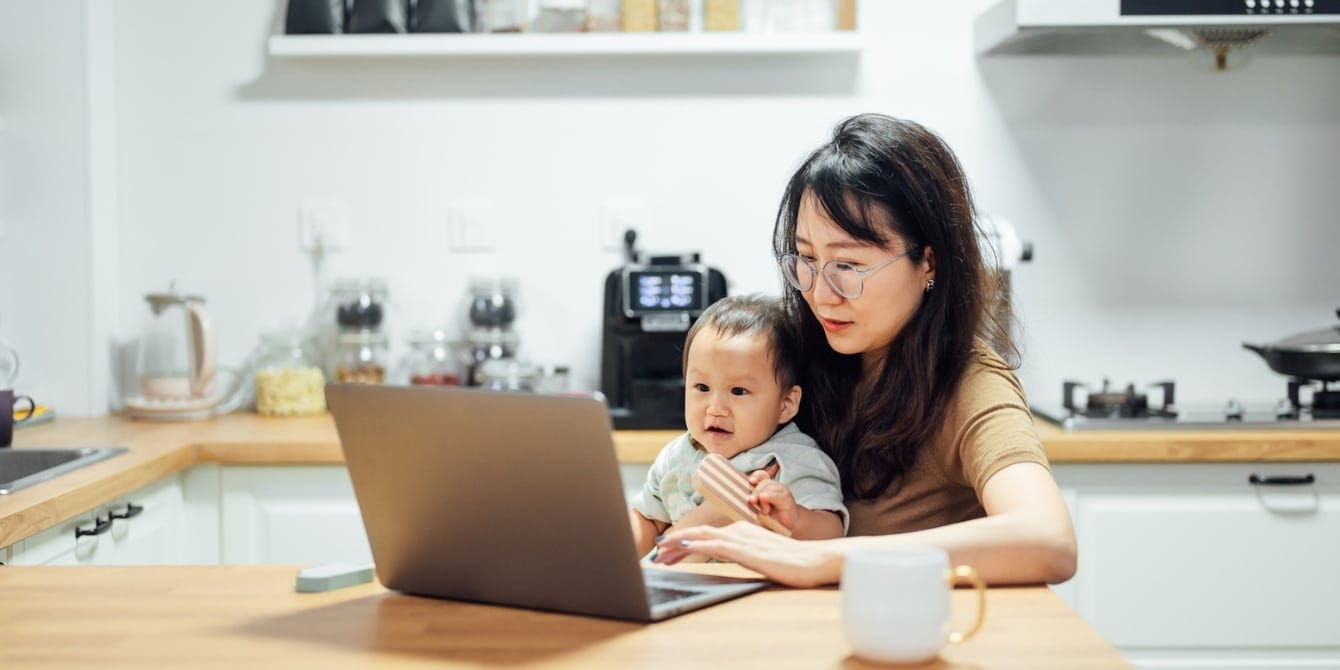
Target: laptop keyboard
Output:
[(659, 595)]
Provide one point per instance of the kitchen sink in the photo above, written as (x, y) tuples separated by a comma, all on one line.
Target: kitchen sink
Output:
[(21, 468)]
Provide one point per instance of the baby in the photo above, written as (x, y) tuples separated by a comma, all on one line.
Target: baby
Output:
[(740, 394)]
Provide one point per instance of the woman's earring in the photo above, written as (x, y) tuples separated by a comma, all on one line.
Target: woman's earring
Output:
[(930, 284)]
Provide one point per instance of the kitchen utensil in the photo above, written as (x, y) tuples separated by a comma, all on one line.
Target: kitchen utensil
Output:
[(895, 602), (1311, 355), (9, 416), (176, 366)]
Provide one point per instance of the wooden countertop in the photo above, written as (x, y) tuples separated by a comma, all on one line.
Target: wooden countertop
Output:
[(251, 617), (160, 449)]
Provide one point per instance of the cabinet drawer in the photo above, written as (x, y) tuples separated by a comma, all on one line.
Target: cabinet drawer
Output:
[(1202, 558)]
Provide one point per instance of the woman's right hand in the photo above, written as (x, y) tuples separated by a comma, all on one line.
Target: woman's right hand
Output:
[(784, 560)]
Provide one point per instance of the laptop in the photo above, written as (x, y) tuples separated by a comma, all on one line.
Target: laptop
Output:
[(504, 498)]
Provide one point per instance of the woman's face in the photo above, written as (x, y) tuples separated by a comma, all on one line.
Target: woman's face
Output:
[(869, 323)]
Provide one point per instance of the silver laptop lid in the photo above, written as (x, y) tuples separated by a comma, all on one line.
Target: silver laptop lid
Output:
[(505, 498)]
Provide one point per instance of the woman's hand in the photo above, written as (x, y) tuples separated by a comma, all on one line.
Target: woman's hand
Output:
[(781, 559)]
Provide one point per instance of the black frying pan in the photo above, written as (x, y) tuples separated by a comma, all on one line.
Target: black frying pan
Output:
[(1312, 355)]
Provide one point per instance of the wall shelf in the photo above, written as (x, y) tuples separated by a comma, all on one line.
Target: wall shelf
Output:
[(563, 44)]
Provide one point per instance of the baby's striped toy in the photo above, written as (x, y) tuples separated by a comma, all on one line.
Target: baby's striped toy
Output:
[(729, 490)]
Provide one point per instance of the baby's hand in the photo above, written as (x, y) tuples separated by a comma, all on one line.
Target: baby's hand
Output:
[(773, 499)]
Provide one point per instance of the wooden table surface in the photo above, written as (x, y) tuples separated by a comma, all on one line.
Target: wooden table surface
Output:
[(250, 617)]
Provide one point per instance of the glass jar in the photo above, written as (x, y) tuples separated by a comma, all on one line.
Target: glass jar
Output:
[(361, 356), (558, 16), (672, 16), (483, 344), (359, 302), (431, 361), (508, 374), (492, 301), (289, 380), (502, 16), (602, 16)]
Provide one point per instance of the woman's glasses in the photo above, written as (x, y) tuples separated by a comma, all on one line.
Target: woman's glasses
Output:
[(842, 276)]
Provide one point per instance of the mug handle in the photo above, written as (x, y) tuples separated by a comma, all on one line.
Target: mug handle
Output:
[(966, 572), (32, 407)]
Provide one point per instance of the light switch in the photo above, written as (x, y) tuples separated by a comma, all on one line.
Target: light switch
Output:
[(470, 226)]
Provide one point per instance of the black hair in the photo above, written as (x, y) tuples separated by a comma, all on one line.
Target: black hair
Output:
[(890, 182)]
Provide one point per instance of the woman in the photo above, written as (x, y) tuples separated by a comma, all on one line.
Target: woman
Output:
[(904, 380)]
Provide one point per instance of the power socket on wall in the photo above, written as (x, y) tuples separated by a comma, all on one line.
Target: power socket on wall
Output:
[(470, 226), (616, 217), (323, 224)]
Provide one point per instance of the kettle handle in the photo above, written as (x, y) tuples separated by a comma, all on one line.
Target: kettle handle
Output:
[(203, 368)]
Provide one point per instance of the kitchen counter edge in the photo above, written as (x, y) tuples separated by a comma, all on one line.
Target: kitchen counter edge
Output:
[(158, 450)]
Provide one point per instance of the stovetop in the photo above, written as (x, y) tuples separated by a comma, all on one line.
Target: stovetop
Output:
[(1105, 408)]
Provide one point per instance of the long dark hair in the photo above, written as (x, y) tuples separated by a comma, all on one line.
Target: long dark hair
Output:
[(884, 180)]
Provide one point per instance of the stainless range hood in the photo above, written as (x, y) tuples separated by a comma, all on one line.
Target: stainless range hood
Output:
[(1159, 26)]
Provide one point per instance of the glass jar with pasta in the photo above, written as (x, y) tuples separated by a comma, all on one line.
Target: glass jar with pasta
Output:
[(289, 380)]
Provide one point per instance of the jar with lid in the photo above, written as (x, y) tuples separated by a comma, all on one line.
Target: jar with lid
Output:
[(359, 302), (289, 380), (431, 360), (361, 356), (483, 344), (508, 374), (493, 301)]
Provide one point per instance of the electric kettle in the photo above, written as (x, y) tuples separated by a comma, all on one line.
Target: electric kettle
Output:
[(176, 363)]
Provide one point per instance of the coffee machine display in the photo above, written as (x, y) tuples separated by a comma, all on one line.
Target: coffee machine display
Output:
[(650, 304)]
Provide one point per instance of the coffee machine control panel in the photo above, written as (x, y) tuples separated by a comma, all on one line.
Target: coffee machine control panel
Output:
[(665, 298)]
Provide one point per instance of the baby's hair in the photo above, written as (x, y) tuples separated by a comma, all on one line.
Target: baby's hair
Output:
[(754, 314)]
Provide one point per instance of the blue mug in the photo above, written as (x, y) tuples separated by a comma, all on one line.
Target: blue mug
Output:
[(7, 419)]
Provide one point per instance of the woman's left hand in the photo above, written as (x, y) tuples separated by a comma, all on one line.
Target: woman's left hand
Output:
[(781, 559)]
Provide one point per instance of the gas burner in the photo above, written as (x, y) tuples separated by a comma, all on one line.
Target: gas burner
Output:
[(1119, 404), (1309, 405), (1325, 403)]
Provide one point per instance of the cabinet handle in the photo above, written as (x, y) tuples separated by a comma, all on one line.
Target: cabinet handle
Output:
[(1286, 480), (100, 526), (131, 510)]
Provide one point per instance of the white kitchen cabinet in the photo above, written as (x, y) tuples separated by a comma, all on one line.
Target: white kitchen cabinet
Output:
[(1192, 566), (146, 527), (290, 514)]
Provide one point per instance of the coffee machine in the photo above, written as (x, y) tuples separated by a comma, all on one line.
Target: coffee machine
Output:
[(650, 303)]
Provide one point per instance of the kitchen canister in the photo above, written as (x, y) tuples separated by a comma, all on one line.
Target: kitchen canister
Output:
[(289, 380)]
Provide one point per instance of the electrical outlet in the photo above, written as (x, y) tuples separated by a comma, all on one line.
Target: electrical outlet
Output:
[(616, 217), (323, 224), (470, 226)]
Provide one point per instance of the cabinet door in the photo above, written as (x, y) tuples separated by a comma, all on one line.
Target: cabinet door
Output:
[(59, 546), (154, 535), (151, 536), (1187, 557), (290, 514)]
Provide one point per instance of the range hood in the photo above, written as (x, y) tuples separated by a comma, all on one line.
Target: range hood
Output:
[(1159, 26)]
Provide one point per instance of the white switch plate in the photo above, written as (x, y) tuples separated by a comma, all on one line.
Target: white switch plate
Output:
[(616, 217), (470, 226), (323, 224)]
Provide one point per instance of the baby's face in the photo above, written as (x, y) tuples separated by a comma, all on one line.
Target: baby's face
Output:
[(732, 401)]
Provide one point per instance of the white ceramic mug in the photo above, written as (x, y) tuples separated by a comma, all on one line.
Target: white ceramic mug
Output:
[(895, 602)]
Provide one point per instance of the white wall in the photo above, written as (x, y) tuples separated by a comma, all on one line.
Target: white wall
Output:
[(1176, 212), (57, 198)]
